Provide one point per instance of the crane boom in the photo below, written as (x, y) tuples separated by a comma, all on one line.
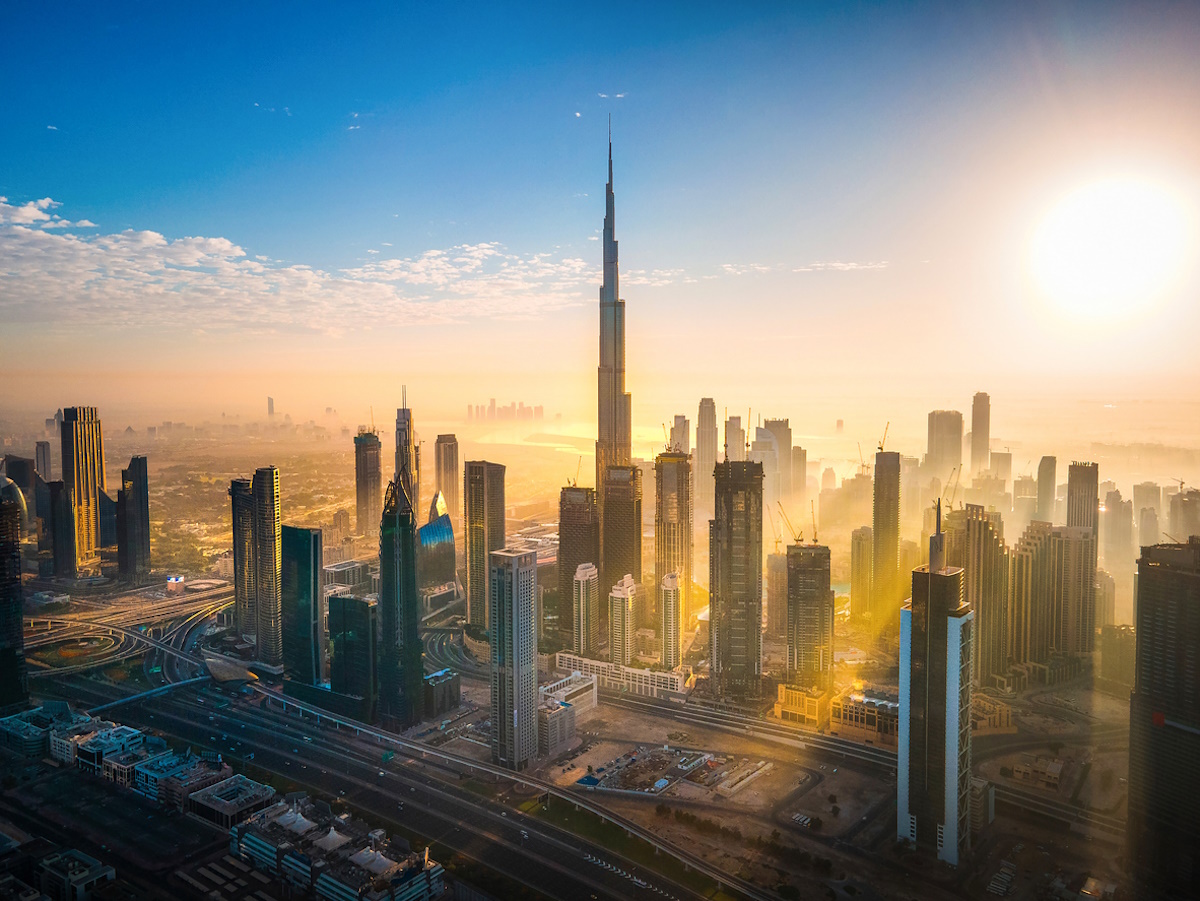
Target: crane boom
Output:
[(883, 440), (799, 536)]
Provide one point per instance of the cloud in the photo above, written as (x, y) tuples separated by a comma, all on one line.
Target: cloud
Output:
[(652, 278), (737, 269), (353, 127), (577, 115), (841, 266), (52, 127)]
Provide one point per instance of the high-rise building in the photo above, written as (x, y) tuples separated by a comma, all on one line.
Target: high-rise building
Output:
[(62, 529), (944, 447), (809, 617), (268, 561), (245, 614), (513, 631), (578, 545), (671, 605), (800, 478), (621, 524), (1148, 531), (1184, 515), (862, 552), (1073, 610), (1162, 831), (401, 673), (933, 760), (885, 549), (975, 544), (1147, 495), (681, 434), (707, 439), (735, 581), (83, 475), (408, 453), (448, 480), (735, 440), (302, 595), (1083, 511), (368, 482), (354, 649), (981, 432), (14, 685), (622, 621), (614, 445), (133, 523), (1118, 533), (783, 449), (1083, 495), (765, 450), (1047, 489), (483, 531), (41, 459), (674, 528), (777, 593), (585, 604)]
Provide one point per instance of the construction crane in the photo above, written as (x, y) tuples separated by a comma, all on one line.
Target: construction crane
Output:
[(862, 464), (951, 487), (774, 528), (799, 536), (883, 440), (812, 506), (574, 483)]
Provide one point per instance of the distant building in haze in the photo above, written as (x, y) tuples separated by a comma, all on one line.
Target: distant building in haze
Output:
[(681, 434), (483, 516), (1163, 832), (621, 524), (783, 448), (885, 548), (401, 672), (133, 523), (735, 439), (302, 602), (14, 684), (809, 617), (578, 545), (981, 432), (83, 476), (1118, 533), (671, 605), (622, 621), (1083, 511), (674, 528), (944, 447), (735, 580), (707, 441), (975, 544), (1047, 489), (933, 763), (513, 632), (777, 594), (41, 459), (861, 554), (800, 479), (368, 482), (585, 603), (448, 478)]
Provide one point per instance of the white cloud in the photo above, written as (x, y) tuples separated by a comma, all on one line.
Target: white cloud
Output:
[(52, 127), (577, 115)]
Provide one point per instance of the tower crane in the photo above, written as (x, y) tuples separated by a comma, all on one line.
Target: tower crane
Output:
[(952, 487), (812, 506), (862, 464), (798, 536), (883, 440), (774, 528)]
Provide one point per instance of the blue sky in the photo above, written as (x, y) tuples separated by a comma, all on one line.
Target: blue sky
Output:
[(799, 171)]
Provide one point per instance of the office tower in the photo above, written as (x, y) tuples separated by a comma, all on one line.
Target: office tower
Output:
[(735, 439), (782, 432), (885, 547), (944, 447), (707, 439), (1184, 515), (302, 597), (613, 419), (1083, 495), (1148, 532), (862, 552), (671, 605), (42, 460), (1073, 611), (1162, 831), (1118, 533), (401, 676), (354, 649), (368, 482), (1083, 511), (800, 478), (975, 543), (585, 606), (133, 523), (267, 564), (765, 450), (83, 475), (436, 559), (933, 759), (1106, 599), (14, 684), (578, 545), (245, 613), (674, 526), (483, 531), (622, 621), (1047, 489), (513, 632), (270, 408), (735, 581), (408, 455), (621, 524), (445, 463), (62, 530), (681, 435), (777, 606), (1147, 494), (981, 432), (809, 617)]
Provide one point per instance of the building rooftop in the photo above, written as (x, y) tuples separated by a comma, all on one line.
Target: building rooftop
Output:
[(233, 793), (111, 739)]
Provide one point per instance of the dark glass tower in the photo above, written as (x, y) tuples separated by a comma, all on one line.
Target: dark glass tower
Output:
[(735, 578), (14, 687), (354, 648), (302, 593), (578, 543), (809, 617), (241, 497), (267, 564), (133, 523), (62, 530), (483, 500), (621, 524), (368, 482), (401, 676), (674, 527)]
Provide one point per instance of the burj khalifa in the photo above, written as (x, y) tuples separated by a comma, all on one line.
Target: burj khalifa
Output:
[(613, 441)]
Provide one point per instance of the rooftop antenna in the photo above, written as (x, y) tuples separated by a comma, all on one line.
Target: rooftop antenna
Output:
[(749, 413), (727, 433)]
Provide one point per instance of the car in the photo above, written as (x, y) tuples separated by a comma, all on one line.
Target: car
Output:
[(382, 773), (504, 813)]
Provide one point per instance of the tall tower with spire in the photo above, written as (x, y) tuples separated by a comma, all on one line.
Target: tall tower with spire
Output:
[(613, 440)]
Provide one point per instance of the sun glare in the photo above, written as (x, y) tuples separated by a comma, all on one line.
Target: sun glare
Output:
[(1111, 248)]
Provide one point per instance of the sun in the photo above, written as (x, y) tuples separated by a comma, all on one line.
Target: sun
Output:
[(1110, 249)]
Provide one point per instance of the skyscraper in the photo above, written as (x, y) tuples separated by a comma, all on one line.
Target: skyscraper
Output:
[(861, 554), (621, 524), (1083, 495), (578, 545), (585, 604), (42, 460), (777, 593), (783, 449), (1073, 611), (933, 761), (445, 464), (14, 685), (1047, 489), (133, 523), (1118, 534), (302, 594), (681, 434), (1162, 832), (368, 482), (885, 548), (981, 432), (483, 502), (401, 676), (245, 614), (707, 439), (83, 475), (613, 419), (809, 617), (975, 543), (944, 447), (268, 560), (735, 439), (62, 530), (800, 478), (735, 580), (1032, 589), (513, 631), (764, 449), (671, 605), (622, 620), (674, 528), (354, 649), (1083, 511), (408, 454)]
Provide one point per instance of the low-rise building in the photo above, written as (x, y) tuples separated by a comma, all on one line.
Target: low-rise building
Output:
[(556, 727), (72, 876), (65, 741), (443, 692), (805, 706), (866, 715), (231, 801), (89, 755), (627, 679), (121, 767), (983, 804), (990, 715), (1043, 772), (27, 734), (576, 689)]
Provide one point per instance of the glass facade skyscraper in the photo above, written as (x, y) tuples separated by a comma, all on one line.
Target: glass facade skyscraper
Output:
[(401, 679), (483, 500), (735, 577), (368, 482), (354, 649), (133, 523), (302, 593), (83, 475), (14, 686), (512, 597)]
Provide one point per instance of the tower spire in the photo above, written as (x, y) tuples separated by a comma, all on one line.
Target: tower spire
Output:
[(610, 150)]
